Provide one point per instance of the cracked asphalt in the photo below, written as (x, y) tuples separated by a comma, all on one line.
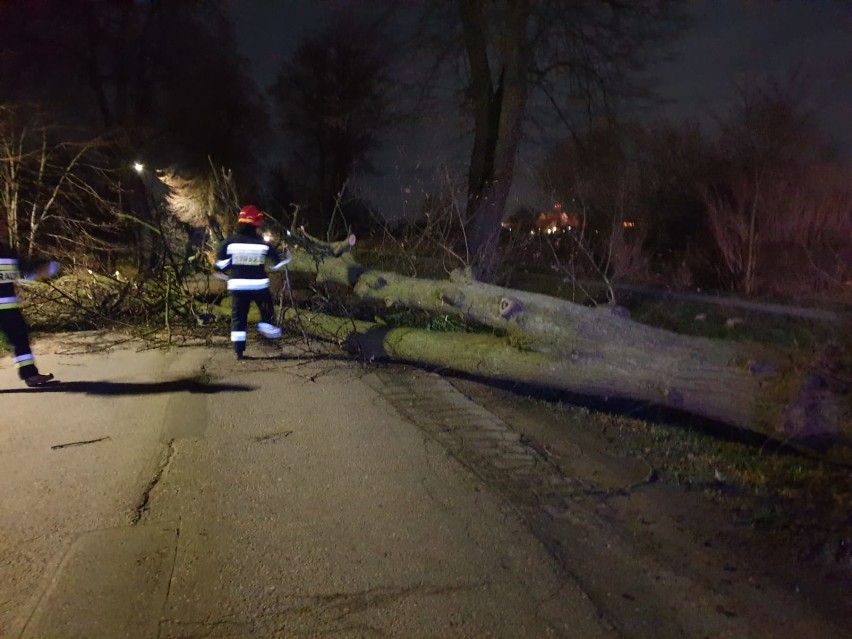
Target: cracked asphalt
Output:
[(178, 493)]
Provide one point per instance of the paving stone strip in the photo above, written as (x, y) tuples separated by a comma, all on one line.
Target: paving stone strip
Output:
[(462, 425), (480, 440), (570, 517)]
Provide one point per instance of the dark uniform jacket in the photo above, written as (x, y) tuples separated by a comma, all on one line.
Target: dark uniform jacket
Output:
[(10, 272), (243, 257)]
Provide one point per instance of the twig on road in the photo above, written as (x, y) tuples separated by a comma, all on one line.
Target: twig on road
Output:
[(273, 437), (80, 443)]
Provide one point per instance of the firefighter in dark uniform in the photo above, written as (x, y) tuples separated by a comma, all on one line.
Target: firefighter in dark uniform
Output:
[(12, 321), (243, 258)]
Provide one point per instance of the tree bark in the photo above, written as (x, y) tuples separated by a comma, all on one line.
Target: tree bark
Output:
[(557, 344), (499, 106)]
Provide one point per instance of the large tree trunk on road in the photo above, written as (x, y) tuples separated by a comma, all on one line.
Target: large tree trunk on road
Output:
[(595, 352), (702, 377)]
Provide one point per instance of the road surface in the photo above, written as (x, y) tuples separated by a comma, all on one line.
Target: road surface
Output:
[(179, 493)]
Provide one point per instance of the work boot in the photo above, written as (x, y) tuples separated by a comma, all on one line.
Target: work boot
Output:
[(38, 380)]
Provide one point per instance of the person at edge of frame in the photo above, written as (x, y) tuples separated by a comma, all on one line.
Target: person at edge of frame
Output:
[(242, 257), (12, 322)]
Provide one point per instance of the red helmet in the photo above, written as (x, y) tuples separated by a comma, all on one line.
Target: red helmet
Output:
[(250, 215)]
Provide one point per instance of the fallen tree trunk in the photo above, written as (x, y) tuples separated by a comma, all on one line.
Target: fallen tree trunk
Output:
[(558, 344), (733, 395)]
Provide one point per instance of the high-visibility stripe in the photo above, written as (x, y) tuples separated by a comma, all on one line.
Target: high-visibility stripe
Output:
[(8, 260), (248, 285), (223, 263), (24, 360), (237, 247), (8, 302), (238, 336), (247, 254)]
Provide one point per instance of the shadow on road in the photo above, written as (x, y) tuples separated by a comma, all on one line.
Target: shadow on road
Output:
[(190, 385), (646, 411)]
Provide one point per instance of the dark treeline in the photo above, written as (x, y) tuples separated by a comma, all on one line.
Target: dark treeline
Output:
[(89, 87)]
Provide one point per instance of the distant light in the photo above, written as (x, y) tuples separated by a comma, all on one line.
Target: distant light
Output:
[(139, 167)]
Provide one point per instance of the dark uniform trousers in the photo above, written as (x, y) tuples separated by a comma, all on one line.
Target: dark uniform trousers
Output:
[(11, 321), (240, 303), (13, 326)]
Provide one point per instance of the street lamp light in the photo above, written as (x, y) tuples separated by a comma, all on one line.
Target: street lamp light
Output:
[(139, 167)]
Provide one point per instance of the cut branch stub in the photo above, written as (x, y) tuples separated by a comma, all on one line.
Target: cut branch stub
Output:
[(510, 306)]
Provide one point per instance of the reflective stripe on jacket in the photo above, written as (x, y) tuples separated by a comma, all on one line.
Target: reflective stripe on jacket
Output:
[(9, 274), (243, 257)]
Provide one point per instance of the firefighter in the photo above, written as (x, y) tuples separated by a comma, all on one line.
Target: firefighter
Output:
[(243, 258), (12, 321)]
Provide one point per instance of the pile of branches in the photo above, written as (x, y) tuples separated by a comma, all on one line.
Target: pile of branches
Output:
[(159, 304)]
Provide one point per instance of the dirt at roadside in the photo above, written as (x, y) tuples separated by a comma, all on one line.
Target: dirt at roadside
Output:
[(769, 531)]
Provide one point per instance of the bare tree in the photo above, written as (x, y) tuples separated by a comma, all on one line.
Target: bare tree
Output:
[(806, 228), (332, 101), (595, 178), (47, 181), (767, 146), (515, 48), (165, 76), (498, 93)]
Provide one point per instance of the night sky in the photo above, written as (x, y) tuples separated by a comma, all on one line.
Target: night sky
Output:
[(731, 41), (268, 31), (738, 40)]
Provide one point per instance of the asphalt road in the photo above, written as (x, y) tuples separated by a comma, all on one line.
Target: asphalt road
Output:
[(176, 493)]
